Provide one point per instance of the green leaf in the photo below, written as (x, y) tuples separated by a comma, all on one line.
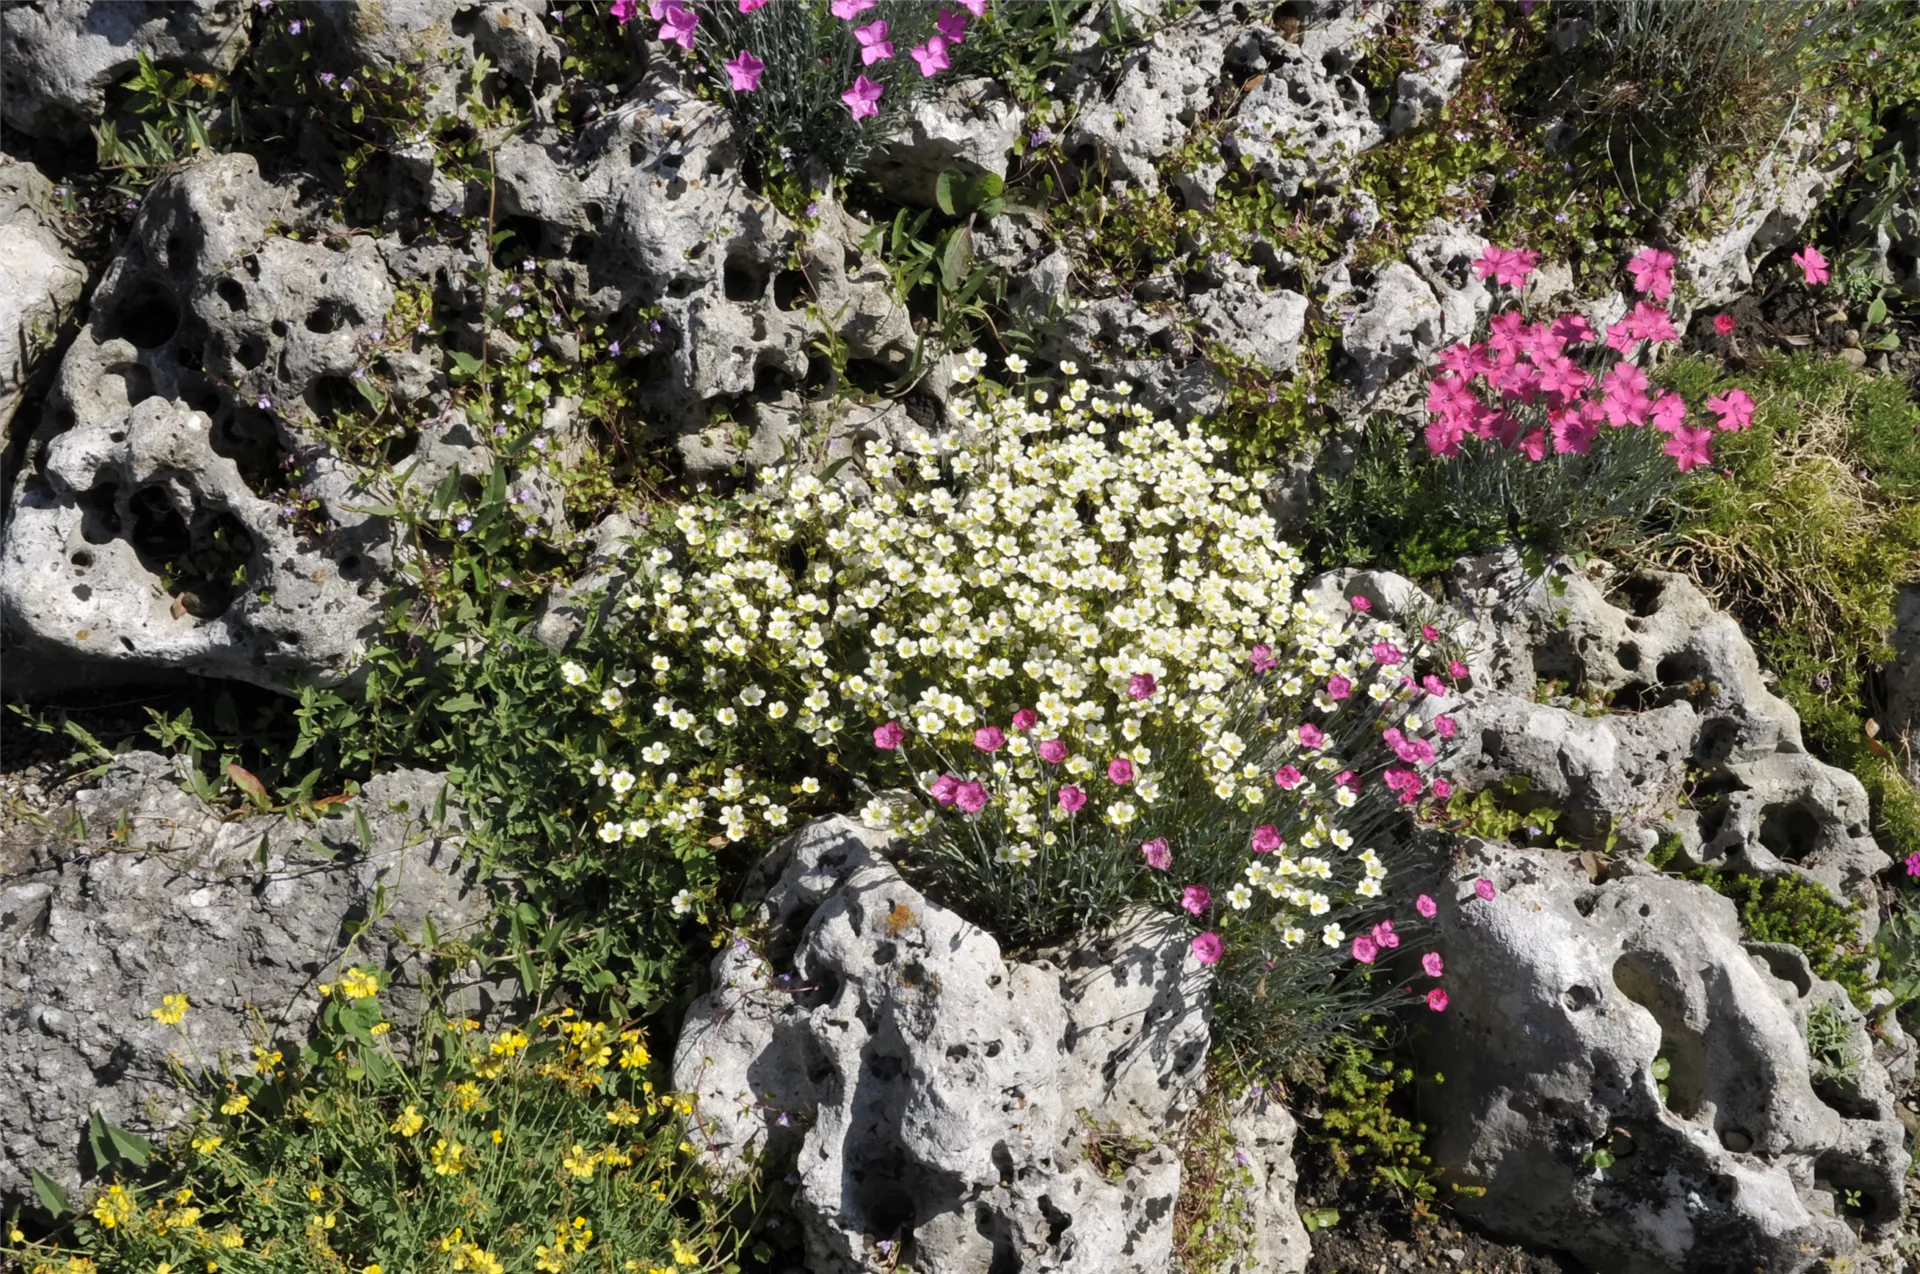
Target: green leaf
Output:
[(461, 703), (946, 187), (953, 266), (360, 828), (465, 364), (52, 1197), (256, 790), (1877, 312), (374, 397), (131, 1147)]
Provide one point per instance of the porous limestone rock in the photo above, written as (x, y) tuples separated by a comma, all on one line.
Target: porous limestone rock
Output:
[(1769, 211), (43, 279), (1260, 325), (63, 55), (150, 527), (152, 894), (1144, 108), (1422, 90), (1565, 993), (1305, 119), (967, 127), (931, 1096)]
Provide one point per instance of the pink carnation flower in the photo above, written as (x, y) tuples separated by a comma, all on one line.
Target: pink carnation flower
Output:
[(988, 738), (1733, 410), (932, 56), (1158, 853), (1426, 906), (623, 10), (1053, 751), (1365, 950), (1196, 899), (971, 797), (1484, 888), (1287, 778), (889, 736), (1207, 948), (677, 23), (1723, 324), (952, 25), (1442, 789), (1813, 266), (863, 99), (1509, 266), (874, 45), (1433, 964), (1072, 799), (1025, 719), (1384, 935), (1311, 735), (744, 72), (1652, 272), (1120, 771), (848, 10), (1690, 447), (944, 788), (1141, 686), (1437, 1000), (1261, 657), (1338, 687), (1266, 839)]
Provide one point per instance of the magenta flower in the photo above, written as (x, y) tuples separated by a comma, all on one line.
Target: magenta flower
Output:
[(1025, 719), (1652, 272), (1072, 799), (1287, 778), (848, 10), (1669, 412), (1196, 899), (978, 8), (1433, 964), (932, 56), (1141, 686), (1384, 935), (1158, 853), (863, 99), (889, 736), (1360, 604), (1733, 409), (1266, 839), (1484, 888), (1338, 687), (1437, 1000), (944, 788), (1311, 735), (1261, 657), (874, 45), (1457, 670), (1120, 771), (1813, 266), (745, 71), (677, 23), (1690, 447), (623, 10), (1433, 685), (952, 25), (1723, 324), (1365, 950), (988, 738), (1207, 948), (748, 6), (1053, 751), (1442, 789), (971, 797), (1347, 779), (1506, 265)]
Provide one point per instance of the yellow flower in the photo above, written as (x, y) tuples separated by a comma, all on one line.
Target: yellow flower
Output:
[(172, 1009), (468, 1095), (624, 1117), (231, 1239), (208, 1144), (264, 1059), (449, 1157), (326, 988), (113, 1208), (380, 1028), (635, 1055), (359, 983), (17, 1235), (579, 1162), (511, 1043), (314, 1192), (684, 1255), (408, 1123), (165, 1267), (236, 1104), (373, 1269), (497, 1137)]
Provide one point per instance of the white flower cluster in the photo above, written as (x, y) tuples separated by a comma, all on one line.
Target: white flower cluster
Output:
[(1094, 570)]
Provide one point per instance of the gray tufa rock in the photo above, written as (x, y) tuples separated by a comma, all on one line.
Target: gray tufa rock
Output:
[(929, 1094), (1420, 93), (1260, 326), (43, 280), (1156, 94), (63, 55), (966, 126), (245, 917), (1564, 995)]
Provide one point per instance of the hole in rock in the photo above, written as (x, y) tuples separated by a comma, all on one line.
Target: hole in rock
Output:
[(524, 237), (201, 396), (1678, 669), (100, 514), (1717, 740), (324, 319), (148, 318), (127, 644), (200, 561), (1628, 656), (1645, 978), (248, 437), (466, 20), (581, 249), (230, 291), (1790, 831), (81, 558), (1057, 1221), (1642, 594), (252, 353), (743, 279), (83, 591), (279, 327), (138, 381), (789, 290)]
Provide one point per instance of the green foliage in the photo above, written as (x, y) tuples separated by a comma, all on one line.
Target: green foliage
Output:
[(1213, 1228), (1830, 1046), (1807, 542), (1662, 86), (1790, 908), (548, 1152), (1403, 508), (1897, 947), (1504, 812), (1360, 1124), (179, 114)]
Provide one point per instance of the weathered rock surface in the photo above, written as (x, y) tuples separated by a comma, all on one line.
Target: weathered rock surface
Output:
[(1775, 204), (929, 1094), (1565, 993), (63, 55), (43, 279), (157, 896), (967, 127)]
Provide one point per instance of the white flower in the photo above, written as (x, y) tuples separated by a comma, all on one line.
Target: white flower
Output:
[(752, 696), (1016, 364), (611, 832), (655, 753), (681, 719), (573, 673), (1293, 935), (877, 813), (1333, 935), (1069, 368), (682, 902), (725, 715), (809, 785), (611, 699), (661, 663), (776, 710), (1240, 897), (621, 782), (624, 678)]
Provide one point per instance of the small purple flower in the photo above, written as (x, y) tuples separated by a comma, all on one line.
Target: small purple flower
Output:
[(1040, 136), (296, 26), (265, 403), (326, 77), (1823, 681), (463, 525), (813, 209), (516, 311), (614, 349), (784, 1120)]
